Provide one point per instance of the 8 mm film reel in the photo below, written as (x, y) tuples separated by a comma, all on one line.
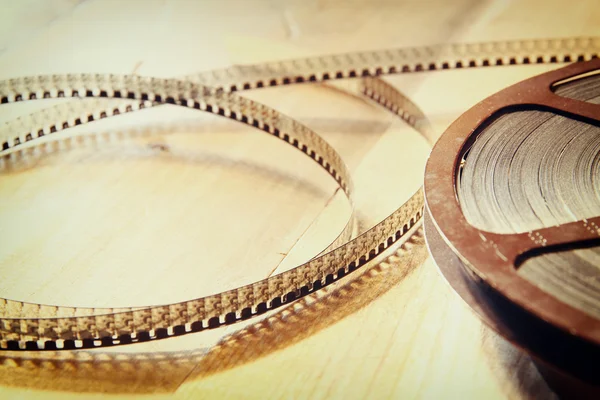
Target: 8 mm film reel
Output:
[(512, 204)]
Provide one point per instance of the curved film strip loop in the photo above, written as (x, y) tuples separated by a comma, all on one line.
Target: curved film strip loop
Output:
[(39, 323), (147, 320)]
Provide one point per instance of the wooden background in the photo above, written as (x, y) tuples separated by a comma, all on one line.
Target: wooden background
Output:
[(169, 204)]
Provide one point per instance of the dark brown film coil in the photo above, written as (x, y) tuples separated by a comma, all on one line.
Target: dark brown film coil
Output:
[(512, 218)]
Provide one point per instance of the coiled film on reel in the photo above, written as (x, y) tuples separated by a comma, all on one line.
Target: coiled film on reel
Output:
[(560, 330)]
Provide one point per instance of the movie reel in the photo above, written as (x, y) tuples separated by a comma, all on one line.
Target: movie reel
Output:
[(512, 205)]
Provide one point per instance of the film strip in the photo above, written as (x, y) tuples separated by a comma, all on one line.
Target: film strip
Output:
[(531, 269), (28, 326)]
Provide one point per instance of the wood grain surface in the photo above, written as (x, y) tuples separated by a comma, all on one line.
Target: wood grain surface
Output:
[(169, 204)]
